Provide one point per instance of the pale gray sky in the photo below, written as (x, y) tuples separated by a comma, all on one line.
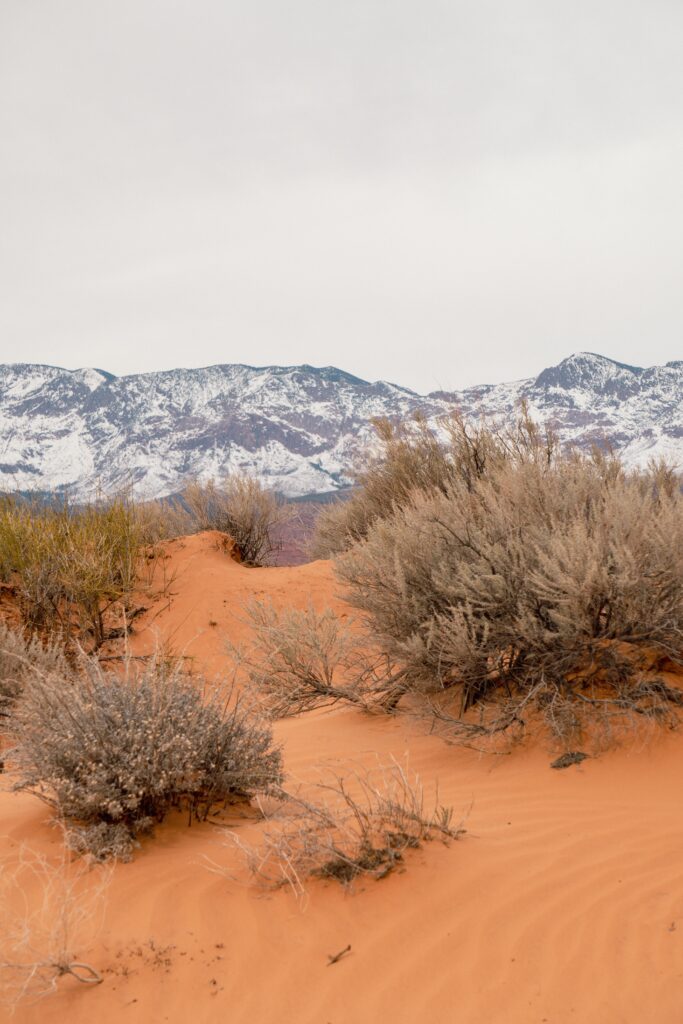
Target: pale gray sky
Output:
[(440, 193)]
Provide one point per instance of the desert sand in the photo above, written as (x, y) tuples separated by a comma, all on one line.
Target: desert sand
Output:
[(562, 903)]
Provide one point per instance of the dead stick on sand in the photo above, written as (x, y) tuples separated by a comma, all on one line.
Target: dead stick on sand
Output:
[(136, 657), (337, 956)]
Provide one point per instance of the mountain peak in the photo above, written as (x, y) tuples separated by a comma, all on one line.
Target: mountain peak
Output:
[(586, 370)]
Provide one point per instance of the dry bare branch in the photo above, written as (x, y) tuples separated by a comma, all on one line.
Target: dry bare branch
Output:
[(52, 911), (361, 824), (303, 659)]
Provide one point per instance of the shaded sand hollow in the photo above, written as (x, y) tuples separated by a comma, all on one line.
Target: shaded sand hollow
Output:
[(563, 903)]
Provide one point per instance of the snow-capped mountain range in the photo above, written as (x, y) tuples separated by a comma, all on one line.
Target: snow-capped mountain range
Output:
[(296, 427)]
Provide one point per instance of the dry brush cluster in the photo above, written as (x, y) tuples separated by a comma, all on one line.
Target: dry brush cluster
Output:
[(241, 507), (75, 568), (20, 659), (488, 563), (301, 659), (526, 574), (114, 751), (356, 825), (496, 578), (70, 565)]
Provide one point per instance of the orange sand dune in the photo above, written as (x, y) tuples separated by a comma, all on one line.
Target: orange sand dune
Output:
[(205, 593), (563, 903)]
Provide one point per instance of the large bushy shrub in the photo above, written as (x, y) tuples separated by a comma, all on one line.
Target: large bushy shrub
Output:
[(534, 567), (114, 753)]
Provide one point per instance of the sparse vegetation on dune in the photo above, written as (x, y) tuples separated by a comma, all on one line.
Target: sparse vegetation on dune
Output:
[(74, 568), (53, 910), (497, 577), (500, 585), (241, 507), (359, 825)]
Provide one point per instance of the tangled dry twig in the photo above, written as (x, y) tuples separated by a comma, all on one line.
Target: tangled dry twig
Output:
[(51, 910), (361, 824)]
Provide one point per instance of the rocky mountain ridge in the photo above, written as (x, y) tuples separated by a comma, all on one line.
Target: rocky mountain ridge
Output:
[(296, 427)]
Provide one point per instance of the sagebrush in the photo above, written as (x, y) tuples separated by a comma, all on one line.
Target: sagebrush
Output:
[(21, 656), (539, 567), (414, 457), (504, 564), (114, 752)]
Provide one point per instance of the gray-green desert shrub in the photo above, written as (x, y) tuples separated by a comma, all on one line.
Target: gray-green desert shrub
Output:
[(115, 753), (537, 568), (417, 458)]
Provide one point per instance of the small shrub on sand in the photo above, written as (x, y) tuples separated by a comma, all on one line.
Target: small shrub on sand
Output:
[(52, 910), (300, 660), (538, 567), (241, 507), (362, 825), (115, 753)]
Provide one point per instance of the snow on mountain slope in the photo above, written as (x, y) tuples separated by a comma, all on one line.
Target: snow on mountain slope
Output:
[(296, 427), (590, 398)]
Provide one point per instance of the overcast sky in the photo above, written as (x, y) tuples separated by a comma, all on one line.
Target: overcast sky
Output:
[(436, 192)]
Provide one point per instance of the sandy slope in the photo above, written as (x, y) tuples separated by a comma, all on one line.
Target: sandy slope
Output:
[(563, 903), (204, 594)]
